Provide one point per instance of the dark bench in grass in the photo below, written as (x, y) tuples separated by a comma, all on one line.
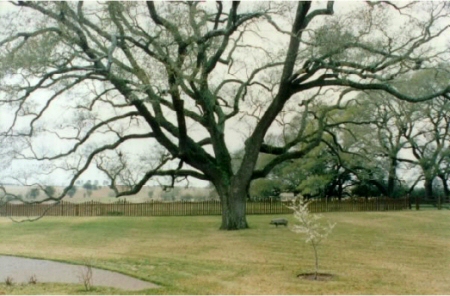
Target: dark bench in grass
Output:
[(279, 221)]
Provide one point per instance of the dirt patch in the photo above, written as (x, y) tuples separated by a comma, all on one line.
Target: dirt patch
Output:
[(312, 276), (22, 269)]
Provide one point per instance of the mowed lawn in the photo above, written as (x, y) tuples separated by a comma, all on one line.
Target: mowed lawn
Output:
[(368, 252)]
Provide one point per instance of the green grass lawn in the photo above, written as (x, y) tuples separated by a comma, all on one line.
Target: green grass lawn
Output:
[(369, 253)]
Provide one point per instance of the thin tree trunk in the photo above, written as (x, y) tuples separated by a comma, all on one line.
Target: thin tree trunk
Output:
[(391, 179), (317, 260)]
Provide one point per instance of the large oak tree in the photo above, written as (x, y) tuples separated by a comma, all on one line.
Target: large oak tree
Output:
[(183, 76)]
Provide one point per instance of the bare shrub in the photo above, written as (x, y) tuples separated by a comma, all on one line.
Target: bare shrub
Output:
[(9, 281), (32, 280), (85, 277)]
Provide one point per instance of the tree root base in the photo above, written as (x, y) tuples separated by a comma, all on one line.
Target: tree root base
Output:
[(311, 276)]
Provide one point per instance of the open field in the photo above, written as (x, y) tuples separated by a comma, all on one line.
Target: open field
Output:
[(370, 253)]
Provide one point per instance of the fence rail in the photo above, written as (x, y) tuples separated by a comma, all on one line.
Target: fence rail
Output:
[(186, 208)]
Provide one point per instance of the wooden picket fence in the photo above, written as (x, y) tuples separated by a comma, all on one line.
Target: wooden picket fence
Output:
[(187, 208)]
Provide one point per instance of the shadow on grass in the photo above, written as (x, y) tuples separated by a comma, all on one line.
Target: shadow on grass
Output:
[(311, 276)]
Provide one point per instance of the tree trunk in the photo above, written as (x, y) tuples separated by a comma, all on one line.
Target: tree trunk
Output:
[(429, 188), (340, 190), (316, 270), (233, 199), (445, 186), (391, 178)]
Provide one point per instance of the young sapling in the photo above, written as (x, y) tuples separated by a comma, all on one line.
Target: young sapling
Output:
[(309, 225)]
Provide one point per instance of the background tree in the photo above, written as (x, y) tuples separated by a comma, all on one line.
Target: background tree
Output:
[(71, 192), (428, 142), (187, 197), (179, 75), (265, 189), (89, 188), (425, 127), (370, 150), (33, 193), (49, 191), (170, 194), (318, 174), (379, 149), (150, 194)]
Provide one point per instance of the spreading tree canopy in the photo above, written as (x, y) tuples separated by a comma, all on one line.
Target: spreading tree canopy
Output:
[(168, 89)]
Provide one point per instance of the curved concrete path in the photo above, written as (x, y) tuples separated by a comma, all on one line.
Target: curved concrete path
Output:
[(21, 269)]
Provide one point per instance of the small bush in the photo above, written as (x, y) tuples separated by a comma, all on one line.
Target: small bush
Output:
[(9, 281), (32, 280)]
